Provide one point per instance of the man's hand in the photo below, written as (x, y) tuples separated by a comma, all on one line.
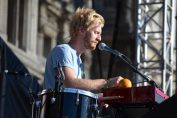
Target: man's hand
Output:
[(114, 82)]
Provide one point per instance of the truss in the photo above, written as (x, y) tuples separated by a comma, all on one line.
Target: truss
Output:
[(155, 41)]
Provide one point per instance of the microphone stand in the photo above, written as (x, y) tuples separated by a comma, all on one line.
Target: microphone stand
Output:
[(58, 82), (59, 77), (122, 57)]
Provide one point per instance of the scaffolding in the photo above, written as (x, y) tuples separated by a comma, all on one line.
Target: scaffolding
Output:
[(155, 39)]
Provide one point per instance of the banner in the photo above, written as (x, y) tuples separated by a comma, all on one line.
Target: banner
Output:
[(17, 86)]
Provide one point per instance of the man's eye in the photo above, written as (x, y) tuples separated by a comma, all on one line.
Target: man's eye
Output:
[(97, 32)]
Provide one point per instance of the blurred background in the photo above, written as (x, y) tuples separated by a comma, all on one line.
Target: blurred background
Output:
[(143, 30)]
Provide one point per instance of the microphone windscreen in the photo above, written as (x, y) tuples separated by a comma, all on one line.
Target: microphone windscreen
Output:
[(101, 46)]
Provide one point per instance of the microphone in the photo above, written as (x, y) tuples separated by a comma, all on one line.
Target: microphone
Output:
[(104, 47)]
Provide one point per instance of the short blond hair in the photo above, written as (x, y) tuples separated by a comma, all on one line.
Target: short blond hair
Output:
[(83, 18)]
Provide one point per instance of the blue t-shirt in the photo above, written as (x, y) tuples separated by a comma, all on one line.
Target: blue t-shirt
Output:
[(68, 57)]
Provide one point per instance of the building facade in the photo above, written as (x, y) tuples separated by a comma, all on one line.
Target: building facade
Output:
[(31, 29)]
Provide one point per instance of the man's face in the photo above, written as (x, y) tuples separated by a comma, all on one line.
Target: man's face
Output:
[(93, 36)]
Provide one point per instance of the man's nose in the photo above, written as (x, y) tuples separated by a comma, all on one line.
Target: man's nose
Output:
[(99, 38)]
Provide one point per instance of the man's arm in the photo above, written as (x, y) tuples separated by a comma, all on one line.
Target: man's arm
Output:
[(86, 84)]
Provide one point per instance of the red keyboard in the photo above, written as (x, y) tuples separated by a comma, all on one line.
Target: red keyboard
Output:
[(135, 95)]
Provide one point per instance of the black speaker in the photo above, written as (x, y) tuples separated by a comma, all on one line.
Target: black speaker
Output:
[(167, 109), (125, 111)]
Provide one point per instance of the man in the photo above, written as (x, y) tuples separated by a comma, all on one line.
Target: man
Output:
[(85, 30)]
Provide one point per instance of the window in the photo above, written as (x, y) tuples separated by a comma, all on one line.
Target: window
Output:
[(47, 46), (15, 26)]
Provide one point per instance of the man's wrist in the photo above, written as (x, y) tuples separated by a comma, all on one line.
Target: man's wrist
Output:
[(107, 83)]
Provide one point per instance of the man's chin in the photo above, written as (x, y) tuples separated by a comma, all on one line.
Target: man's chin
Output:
[(93, 48)]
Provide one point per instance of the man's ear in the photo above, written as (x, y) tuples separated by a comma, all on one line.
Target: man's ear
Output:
[(82, 30)]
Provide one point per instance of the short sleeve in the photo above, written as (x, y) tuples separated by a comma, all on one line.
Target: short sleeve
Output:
[(62, 55)]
